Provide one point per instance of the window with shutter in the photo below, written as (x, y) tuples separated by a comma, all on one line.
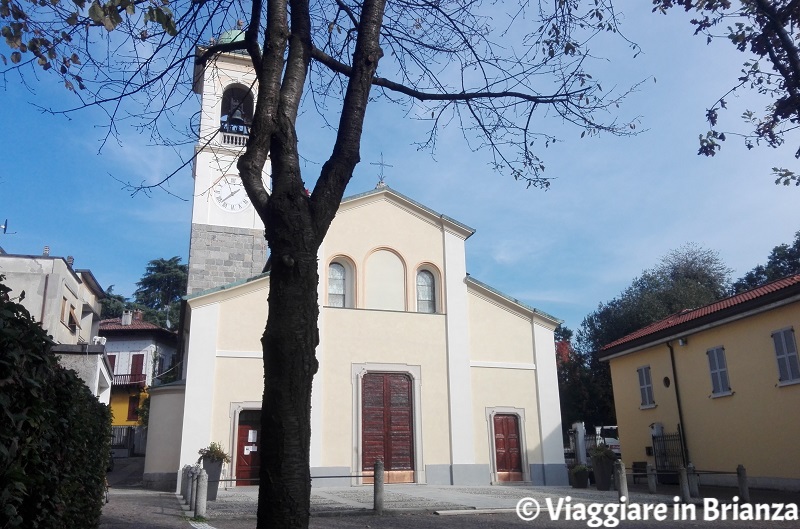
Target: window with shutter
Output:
[(646, 387), (718, 368), (133, 408), (786, 353)]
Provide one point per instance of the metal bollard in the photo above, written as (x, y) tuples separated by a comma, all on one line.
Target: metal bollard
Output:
[(652, 479), (377, 480), (684, 485), (202, 494), (694, 481), (622, 480), (744, 489)]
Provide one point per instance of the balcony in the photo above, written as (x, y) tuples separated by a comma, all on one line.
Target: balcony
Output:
[(130, 380), (235, 134)]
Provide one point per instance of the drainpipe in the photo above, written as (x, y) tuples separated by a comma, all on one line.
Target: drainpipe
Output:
[(44, 300), (678, 401)]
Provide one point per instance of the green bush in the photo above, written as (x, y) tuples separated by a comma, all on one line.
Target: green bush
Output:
[(54, 434)]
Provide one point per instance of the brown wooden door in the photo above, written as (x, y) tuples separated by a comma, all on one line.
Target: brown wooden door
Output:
[(507, 447), (387, 426), (248, 455)]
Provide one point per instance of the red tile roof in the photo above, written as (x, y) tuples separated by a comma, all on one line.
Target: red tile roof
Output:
[(712, 311), (115, 324)]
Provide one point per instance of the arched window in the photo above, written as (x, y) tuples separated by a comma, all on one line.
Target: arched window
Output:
[(426, 292), (337, 283)]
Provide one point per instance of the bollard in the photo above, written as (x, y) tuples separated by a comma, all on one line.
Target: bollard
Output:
[(202, 494), (684, 485), (621, 480), (378, 487), (185, 482), (694, 481), (744, 489), (652, 479), (190, 497)]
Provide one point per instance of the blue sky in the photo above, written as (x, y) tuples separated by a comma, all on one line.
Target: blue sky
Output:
[(615, 207)]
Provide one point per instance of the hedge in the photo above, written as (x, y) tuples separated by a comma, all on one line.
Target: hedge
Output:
[(55, 436)]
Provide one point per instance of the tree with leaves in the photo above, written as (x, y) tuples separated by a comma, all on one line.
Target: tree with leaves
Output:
[(783, 260), (158, 294), (498, 78), (685, 278), (767, 31), (161, 287)]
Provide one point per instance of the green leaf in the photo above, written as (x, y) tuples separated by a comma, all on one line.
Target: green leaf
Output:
[(16, 57)]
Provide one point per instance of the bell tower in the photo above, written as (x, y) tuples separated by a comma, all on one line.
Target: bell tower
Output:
[(227, 238)]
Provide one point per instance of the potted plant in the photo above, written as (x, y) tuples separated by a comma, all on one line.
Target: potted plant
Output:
[(212, 458), (580, 476), (603, 466)]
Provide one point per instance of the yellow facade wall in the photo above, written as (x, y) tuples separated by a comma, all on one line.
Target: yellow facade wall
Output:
[(488, 321), (504, 388), (242, 322), (755, 426), (417, 242), (236, 380), (119, 404), (361, 336)]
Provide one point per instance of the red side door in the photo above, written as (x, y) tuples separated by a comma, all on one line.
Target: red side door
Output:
[(248, 444), (507, 447)]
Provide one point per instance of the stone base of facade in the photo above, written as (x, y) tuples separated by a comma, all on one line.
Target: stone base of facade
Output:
[(551, 475), (163, 481), (331, 477)]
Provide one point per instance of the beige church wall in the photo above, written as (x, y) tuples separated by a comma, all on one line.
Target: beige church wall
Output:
[(363, 336), (497, 334), (505, 388), (162, 460), (235, 380), (242, 318), (385, 281), (358, 231)]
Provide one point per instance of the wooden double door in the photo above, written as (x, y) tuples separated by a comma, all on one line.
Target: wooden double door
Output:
[(387, 426)]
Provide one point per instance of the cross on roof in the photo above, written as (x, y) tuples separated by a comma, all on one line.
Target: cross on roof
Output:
[(381, 183)]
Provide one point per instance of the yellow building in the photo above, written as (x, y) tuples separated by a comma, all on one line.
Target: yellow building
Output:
[(139, 352), (716, 386)]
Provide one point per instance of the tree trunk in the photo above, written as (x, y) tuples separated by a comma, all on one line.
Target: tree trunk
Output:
[(289, 345)]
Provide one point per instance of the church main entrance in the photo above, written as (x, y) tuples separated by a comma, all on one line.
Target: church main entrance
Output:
[(508, 459), (387, 426)]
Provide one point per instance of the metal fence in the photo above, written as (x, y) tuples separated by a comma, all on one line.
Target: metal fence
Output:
[(132, 439), (669, 455)]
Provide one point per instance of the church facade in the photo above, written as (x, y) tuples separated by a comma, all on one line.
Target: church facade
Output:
[(445, 379)]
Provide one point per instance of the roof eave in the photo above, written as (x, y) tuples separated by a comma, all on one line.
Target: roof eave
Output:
[(742, 310), (449, 223)]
